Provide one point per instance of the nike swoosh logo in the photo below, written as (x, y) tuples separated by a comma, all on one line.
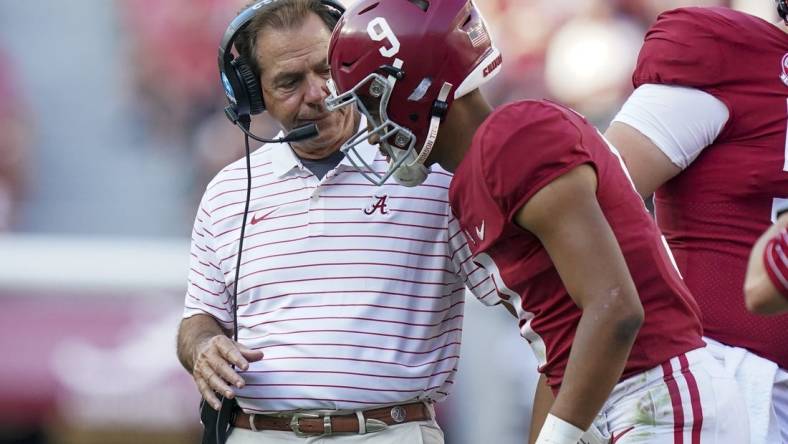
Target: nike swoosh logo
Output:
[(480, 231), (256, 219), (614, 437)]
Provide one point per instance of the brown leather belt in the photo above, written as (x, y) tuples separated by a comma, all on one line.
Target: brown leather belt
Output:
[(307, 424)]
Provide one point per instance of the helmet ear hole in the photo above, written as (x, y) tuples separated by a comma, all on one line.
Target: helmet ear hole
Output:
[(424, 5)]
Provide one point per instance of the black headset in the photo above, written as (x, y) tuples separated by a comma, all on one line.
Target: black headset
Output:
[(241, 85), (782, 9)]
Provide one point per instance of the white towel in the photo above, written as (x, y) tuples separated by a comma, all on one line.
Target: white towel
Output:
[(755, 376)]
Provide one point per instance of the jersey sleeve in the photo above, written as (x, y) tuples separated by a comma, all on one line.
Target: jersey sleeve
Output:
[(525, 147), (679, 121), (206, 291), (681, 48)]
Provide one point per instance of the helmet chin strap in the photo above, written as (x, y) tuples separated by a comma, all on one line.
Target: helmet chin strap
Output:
[(415, 173), (411, 174)]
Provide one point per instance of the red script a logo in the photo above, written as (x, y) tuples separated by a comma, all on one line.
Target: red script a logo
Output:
[(379, 205)]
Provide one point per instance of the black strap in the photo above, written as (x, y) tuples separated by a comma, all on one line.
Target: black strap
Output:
[(217, 425)]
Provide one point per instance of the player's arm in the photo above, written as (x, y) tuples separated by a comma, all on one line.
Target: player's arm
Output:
[(206, 351), (761, 294), (566, 217), (543, 401), (648, 166), (662, 129)]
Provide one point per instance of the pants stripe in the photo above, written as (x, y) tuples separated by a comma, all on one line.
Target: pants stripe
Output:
[(675, 399), (697, 407)]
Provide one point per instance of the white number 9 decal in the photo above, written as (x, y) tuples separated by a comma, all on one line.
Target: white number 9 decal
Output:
[(378, 30)]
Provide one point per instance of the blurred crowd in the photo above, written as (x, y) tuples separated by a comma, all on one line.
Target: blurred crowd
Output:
[(177, 98), (578, 53), (15, 143)]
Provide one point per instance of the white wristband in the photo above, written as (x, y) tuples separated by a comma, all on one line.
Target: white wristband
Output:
[(557, 431)]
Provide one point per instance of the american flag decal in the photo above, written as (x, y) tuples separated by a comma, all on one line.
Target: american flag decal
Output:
[(478, 35)]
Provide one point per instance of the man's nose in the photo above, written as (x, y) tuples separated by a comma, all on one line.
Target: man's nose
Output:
[(316, 90)]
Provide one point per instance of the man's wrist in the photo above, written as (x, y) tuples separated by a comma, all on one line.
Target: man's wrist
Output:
[(557, 431)]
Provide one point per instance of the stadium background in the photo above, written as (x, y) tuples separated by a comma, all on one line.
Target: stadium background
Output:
[(110, 127)]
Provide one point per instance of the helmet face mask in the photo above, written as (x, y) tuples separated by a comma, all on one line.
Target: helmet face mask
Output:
[(398, 143), (402, 63)]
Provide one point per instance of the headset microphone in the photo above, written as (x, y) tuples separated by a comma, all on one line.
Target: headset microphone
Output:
[(297, 134), (300, 133)]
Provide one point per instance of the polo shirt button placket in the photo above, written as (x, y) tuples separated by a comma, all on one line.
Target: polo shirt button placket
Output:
[(317, 215)]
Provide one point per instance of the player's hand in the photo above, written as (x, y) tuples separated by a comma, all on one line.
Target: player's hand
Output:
[(595, 436), (213, 372)]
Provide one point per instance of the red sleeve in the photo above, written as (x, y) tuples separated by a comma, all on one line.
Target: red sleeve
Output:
[(775, 257), (682, 48), (525, 146)]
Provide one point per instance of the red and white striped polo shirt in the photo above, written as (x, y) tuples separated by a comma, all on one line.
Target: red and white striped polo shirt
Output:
[(353, 292)]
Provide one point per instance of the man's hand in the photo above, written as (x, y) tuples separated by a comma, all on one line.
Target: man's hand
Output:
[(206, 351), (213, 372)]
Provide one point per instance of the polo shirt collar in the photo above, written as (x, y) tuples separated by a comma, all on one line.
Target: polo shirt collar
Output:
[(284, 159)]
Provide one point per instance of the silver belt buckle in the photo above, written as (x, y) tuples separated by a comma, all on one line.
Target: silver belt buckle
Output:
[(295, 427)]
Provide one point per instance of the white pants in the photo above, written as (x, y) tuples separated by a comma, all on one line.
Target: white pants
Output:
[(764, 387), (690, 399), (416, 432)]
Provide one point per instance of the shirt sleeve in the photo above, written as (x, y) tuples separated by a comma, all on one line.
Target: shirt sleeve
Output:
[(525, 147), (206, 290), (680, 121), (476, 280), (775, 257), (682, 48)]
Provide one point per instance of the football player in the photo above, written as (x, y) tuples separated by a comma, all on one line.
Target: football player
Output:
[(706, 129), (550, 215)]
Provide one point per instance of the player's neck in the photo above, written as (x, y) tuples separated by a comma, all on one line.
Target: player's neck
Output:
[(456, 132)]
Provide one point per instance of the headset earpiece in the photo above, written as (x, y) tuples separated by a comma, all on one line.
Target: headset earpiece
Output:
[(782, 9), (250, 85)]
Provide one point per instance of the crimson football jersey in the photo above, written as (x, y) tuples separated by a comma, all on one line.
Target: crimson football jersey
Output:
[(519, 149), (713, 212)]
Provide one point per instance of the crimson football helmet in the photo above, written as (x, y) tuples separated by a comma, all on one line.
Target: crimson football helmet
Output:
[(402, 63)]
